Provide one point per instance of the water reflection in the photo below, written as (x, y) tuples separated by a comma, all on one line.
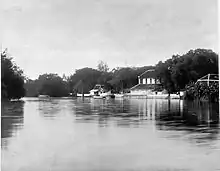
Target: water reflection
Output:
[(207, 113), (191, 114), (201, 118), (11, 119), (50, 108), (111, 134), (198, 122), (179, 111)]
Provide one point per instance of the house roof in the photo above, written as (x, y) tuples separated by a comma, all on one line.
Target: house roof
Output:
[(144, 86), (149, 73)]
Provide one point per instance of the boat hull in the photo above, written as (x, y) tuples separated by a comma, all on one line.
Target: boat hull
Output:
[(99, 97), (43, 96), (119, 95), (85, 95)]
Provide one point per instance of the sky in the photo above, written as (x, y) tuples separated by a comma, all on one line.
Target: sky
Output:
[(60, 36)]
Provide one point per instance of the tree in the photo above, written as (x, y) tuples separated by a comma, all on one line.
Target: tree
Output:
[(32, 88), (85, 79), (181, 70), (53, 85), (12, 78), (47, 84), (163, 72), (102, 66), (123, 78)]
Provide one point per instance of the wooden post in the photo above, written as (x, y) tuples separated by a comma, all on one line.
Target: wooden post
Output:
[(208, 78), (169, 104), (82, 88)]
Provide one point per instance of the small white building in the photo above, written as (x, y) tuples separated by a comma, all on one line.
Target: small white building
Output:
[(147, 82)]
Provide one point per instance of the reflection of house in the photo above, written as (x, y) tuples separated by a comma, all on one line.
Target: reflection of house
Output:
[(147, 83)]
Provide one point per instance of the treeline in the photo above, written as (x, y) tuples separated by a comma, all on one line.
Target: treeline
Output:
[(47, 84), (12, 79), (83, 80), (181, 70), (175, 74)]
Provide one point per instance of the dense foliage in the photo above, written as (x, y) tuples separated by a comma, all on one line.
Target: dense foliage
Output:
[(118, 79), (125, 78), (181, 70), (47, 84), (175, 74), (12, 80), (84, 80), (202, 91)]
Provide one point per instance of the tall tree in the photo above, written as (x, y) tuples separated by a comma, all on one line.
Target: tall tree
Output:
[(53, 85), (12, 78), (85, 78), (102, 66), (181, 70)]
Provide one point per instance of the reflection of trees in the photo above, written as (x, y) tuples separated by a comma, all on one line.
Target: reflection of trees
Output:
[(125, 112), (164, 114), (12, 119), (50, 108), (89, 110), (201, 118), (102, 111)]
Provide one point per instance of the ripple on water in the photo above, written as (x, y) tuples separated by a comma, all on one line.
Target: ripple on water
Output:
[(130, 134)]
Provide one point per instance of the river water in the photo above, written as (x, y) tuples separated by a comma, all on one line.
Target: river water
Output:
[(109, 135)]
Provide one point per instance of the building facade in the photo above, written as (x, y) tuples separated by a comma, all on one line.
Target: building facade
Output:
[(147, 83)]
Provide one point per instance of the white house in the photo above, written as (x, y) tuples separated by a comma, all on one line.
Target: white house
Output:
[(147, 82)]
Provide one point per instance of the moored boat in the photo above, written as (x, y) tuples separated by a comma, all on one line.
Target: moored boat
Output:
[(43, 96), (85, 95), (119, 95), (99, 97), (99, 92)]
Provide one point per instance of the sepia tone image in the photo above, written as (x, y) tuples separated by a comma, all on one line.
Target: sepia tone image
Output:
[(109, 85)]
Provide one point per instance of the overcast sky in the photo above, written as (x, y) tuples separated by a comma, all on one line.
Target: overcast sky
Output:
[(60, 36)]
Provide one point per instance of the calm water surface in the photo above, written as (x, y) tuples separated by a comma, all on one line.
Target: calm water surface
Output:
[(99, 135)]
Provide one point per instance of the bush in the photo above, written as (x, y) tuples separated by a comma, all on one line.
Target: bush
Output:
[(203, 91)]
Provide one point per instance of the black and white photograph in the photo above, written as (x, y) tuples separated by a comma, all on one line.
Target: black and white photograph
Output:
[(110, 85)]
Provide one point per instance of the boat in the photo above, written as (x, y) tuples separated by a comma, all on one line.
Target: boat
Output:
[(99, 92), (85, 95), (119, 95), (99, 97), (43, 96)]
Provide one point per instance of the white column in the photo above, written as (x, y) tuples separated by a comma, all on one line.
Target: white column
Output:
[(208, 78), (153, 81), (144, 80)]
